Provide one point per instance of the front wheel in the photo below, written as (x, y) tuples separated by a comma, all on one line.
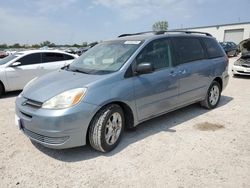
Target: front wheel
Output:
[(213, 96), (107, 128), (1, 89)]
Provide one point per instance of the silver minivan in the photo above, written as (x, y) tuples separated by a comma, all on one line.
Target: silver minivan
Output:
[(120, 83)]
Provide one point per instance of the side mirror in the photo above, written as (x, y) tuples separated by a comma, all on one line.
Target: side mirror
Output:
[(15, 64), (144, 68)]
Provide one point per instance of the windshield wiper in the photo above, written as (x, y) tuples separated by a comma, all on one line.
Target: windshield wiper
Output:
[(77, 70), (65, 67)]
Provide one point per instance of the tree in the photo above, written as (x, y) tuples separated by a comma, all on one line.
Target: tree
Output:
[(160, 26), (35, 46), (76, 45), (3, 46), (84, 44), (16, 45), (45, 43)]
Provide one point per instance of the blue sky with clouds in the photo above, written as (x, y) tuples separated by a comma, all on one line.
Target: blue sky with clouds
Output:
[(76, 21)]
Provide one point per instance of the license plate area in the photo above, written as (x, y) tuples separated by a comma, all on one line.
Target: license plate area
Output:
[(18, 122)]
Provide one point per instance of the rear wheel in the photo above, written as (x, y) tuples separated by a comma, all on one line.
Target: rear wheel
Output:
[(213, 96), (1, 89), (107, 128)]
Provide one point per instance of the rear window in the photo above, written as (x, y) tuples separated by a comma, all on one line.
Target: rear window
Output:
[(213, 48), (188, 49)]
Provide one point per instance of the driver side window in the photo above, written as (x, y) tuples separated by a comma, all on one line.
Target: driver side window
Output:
[(158, 53), (30, 59)]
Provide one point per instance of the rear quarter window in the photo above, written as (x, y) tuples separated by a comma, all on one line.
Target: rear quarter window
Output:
[(213, 48), (52, 57), (68, 57), (188, 49)]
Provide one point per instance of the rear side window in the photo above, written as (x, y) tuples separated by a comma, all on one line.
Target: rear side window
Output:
[(30, 59), (158, 53), (188, 49), (213, 48), (51, 57), (68, 57)]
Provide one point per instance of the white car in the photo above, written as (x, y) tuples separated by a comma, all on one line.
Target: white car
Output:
[(18, 69), (242, 65)]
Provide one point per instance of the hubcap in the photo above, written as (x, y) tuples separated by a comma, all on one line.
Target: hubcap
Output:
[(113, 128), (214, 95)]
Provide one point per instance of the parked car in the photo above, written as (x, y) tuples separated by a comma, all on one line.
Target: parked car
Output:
[(120, 83), (230, 48), (80, 51), (242, 65), (3, 54), (17, 69)]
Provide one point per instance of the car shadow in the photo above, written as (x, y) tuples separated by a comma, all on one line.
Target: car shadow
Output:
[(10, 94), (162, 123)]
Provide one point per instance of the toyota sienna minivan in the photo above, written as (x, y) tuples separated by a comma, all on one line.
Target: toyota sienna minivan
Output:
[(120, 83)]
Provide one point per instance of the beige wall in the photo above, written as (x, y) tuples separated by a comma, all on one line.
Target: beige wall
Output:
[(218, 32)]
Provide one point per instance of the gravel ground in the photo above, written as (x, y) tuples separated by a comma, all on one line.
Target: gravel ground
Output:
[(191, 147)]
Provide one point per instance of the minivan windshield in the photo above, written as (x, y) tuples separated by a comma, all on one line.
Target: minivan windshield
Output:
[(106, 57), (7, 59)]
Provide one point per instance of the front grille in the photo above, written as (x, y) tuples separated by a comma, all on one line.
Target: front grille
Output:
[(32, 103), (244, 72), (45, 139), (245, 65)]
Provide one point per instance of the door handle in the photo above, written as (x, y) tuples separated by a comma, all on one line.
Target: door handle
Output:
[(182, 71)]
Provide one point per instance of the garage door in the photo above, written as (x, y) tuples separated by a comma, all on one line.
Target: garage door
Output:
[(234, 35)]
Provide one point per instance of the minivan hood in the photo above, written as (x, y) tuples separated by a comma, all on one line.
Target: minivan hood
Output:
[(54, 83)]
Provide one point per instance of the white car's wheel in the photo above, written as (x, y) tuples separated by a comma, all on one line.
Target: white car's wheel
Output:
[(1, 89)]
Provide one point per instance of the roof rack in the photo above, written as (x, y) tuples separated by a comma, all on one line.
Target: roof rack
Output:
[(164, 32)]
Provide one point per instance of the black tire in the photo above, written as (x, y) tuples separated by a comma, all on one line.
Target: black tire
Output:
[(99, 127), (1, 89), (207, 102)]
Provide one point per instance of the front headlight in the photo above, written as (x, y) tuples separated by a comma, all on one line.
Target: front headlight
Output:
[(238, 62), (66, 99)]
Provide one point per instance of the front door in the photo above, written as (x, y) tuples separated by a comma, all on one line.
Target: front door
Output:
[(52, 61), (29, 68), (156, 92)]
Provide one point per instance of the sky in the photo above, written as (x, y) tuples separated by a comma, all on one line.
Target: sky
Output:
[(77, 21)]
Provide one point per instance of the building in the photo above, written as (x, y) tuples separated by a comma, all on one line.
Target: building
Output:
[(235, 32)]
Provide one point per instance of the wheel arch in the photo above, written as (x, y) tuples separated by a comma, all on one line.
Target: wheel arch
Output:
[(219, 80), (1, 84), (128, 115)]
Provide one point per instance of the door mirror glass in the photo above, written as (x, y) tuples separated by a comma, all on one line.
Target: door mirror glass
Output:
[(15, 64), (144, 68)]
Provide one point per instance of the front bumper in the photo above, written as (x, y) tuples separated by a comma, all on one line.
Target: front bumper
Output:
[(58, 129), (241, 70)]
